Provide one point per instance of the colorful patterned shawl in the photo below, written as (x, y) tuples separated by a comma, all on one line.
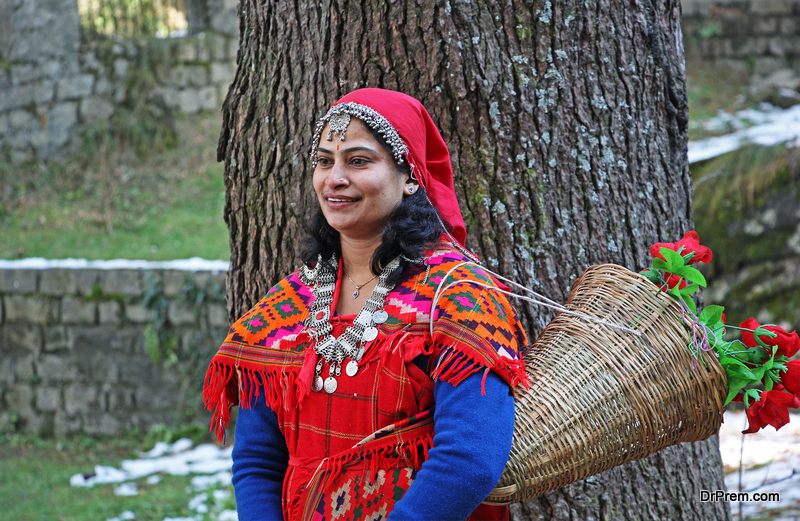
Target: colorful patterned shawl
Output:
[(474, 328)]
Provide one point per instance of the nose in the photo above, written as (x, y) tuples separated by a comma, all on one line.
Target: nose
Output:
[(337, 177)]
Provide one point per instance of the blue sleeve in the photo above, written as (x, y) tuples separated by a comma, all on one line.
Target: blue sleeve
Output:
[(472, 440), (260, 460)]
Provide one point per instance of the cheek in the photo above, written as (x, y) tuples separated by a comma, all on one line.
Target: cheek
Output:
[(318, 182)]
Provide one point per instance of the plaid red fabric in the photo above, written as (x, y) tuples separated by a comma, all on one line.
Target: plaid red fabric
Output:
[(474, 329)]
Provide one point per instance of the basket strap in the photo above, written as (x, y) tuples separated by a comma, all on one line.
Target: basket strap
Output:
[(538, 299)]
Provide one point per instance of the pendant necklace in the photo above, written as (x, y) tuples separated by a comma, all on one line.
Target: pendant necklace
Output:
[(350, 344), (358, 286)]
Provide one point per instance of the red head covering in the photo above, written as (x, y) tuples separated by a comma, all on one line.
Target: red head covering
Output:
[(427, 152)]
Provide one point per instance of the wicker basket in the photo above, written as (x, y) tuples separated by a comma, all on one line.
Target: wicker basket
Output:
[(600, 396)]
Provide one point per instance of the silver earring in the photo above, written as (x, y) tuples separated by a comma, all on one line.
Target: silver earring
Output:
[(410, 190)]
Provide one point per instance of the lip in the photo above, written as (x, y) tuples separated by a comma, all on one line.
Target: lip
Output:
[(340, 201)]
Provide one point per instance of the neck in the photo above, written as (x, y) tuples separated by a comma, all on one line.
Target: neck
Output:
[(357, 257)]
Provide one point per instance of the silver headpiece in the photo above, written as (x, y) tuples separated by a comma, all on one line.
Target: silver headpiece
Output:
[(339, 118)]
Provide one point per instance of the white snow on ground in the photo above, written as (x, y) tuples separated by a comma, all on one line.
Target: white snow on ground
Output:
[(770, 463), (770, 127), (193, 264), (211, 463)]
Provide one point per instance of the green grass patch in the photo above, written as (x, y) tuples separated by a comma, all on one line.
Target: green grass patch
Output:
[(118, 202), (35, 482)]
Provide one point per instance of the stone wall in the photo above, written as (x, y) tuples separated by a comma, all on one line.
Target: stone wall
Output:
[(52, 84), (103, 351), (760, 38)]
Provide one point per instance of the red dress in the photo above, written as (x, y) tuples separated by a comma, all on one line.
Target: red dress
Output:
[(354, 452)]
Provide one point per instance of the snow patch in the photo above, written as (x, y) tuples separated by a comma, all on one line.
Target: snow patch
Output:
[(771, 126), (193, 264)]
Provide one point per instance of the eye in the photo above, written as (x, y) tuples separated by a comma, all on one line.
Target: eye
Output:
[(359, 161), (324, 161)]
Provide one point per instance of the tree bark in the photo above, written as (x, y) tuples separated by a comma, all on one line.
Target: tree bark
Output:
[(566, 123)]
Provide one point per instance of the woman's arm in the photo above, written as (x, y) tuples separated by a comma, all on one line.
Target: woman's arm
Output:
[(471, 446), (260, 460)]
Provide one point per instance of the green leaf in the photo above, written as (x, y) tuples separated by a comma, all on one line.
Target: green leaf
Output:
[(692, 274), (653, 276), (725, 360), (711, 316), (731, 395), (734, 385), (659, 264), (690, 303), (741, 372), (758, 372), (674, 260), (717, 342), (688, 290)]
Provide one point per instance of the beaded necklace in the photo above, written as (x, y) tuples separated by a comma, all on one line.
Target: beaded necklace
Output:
[(350, 344)]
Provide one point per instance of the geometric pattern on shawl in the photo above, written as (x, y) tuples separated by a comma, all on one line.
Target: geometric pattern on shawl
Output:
[(474, 329)]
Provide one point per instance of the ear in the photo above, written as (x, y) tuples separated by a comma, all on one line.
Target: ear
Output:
[(411, 187)]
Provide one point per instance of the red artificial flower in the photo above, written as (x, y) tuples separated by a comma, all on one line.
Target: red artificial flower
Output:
[(772, 408), (791, 378), (788, 343), (674, 280), (690, 243)]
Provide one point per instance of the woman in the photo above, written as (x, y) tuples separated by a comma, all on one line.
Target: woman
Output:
[(353, 403)]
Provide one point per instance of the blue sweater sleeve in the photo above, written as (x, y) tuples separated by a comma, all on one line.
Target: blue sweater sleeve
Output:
[(260, 460), (472, 440)]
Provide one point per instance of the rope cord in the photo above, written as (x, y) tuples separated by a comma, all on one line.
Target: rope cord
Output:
[(539, 300)]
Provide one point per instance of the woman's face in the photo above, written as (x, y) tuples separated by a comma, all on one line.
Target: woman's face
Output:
[(357, 183)]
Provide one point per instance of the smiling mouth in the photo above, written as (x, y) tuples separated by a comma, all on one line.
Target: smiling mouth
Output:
[(340, 200)]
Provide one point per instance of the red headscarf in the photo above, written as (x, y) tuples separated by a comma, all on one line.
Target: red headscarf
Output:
[(426, 149)]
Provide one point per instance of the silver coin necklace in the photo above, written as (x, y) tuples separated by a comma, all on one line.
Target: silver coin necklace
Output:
[(349, 344)]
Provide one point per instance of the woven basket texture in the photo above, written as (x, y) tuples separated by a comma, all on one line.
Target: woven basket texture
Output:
[(600, 396)]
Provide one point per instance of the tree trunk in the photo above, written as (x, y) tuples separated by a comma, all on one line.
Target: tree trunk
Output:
[(566, 123)]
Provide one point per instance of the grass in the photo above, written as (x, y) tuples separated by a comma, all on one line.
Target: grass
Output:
[(712, 88), (163, 205), (35, 474)]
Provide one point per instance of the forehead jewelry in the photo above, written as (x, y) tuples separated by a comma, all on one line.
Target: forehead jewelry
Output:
[(339, 118)]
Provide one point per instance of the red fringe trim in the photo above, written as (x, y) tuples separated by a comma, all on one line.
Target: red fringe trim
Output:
[(458, 362), (226, 386)]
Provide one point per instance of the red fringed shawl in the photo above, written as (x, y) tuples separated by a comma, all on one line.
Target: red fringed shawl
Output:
[(332, 438)]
